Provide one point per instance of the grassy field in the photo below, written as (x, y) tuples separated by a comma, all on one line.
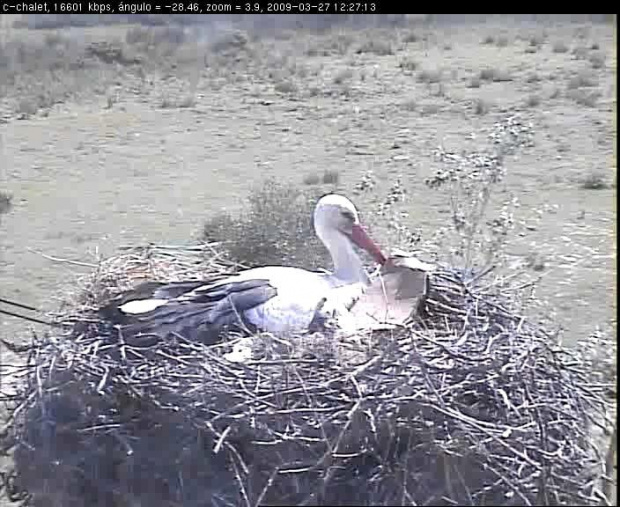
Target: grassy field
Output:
[(120, 135)]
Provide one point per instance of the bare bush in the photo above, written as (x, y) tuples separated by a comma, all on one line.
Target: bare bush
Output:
[(470, 179)]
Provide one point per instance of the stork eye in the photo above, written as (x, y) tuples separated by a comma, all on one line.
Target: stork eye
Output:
[(348, 215)]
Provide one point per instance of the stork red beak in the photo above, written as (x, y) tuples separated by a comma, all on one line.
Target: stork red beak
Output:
[(361, 239)]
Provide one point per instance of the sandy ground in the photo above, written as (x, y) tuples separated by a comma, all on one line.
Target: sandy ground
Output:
[(92, 174)]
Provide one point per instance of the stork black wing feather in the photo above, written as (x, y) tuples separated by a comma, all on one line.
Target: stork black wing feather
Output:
[(202, 314)]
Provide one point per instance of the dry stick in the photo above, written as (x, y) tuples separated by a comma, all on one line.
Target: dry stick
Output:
[(608, 479), (61, 260)]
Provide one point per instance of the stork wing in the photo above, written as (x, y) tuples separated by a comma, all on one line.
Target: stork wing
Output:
[(201, 314)]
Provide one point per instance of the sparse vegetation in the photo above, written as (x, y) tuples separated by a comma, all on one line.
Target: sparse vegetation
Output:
[(581, 52), (533, 78), (583, 79), (474, 82), (408, 64), (430, 108), (560, 47), (311, 179), (286, 86), (481, 107), (331, 176), (597, 60), (410, 105), (536, 41), (588, 98), (410, 37), (430, 76), (502, 41), (183, 102), (594, 181), (376, 47), (532, 100), (343, 76), (496, 75), (5, 202)]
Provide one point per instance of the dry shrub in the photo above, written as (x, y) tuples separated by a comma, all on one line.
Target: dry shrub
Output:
[(311, 179), (410, 37), (481, 106), (587, 98), (533, 100), (469, 180), (582, 79), (286, 86), (331, 176), (343, 76), (468, 404), (496, 75), (274, 229), (408, 64), (183, 102), (597, 60), (594, 181), (5, 202), (430, 76), (376, 47), (474, 82)]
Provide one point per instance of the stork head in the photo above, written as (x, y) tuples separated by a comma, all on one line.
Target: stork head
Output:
[(336, 214)]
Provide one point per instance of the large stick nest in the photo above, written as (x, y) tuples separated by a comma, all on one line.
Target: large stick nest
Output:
[(470, 404)]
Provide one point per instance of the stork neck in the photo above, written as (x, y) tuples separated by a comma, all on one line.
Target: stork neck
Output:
[(348, 266)]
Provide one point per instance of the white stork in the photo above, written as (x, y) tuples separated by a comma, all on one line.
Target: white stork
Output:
[(277, 299)]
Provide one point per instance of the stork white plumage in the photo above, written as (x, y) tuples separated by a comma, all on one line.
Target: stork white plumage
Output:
[(277, 299)]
